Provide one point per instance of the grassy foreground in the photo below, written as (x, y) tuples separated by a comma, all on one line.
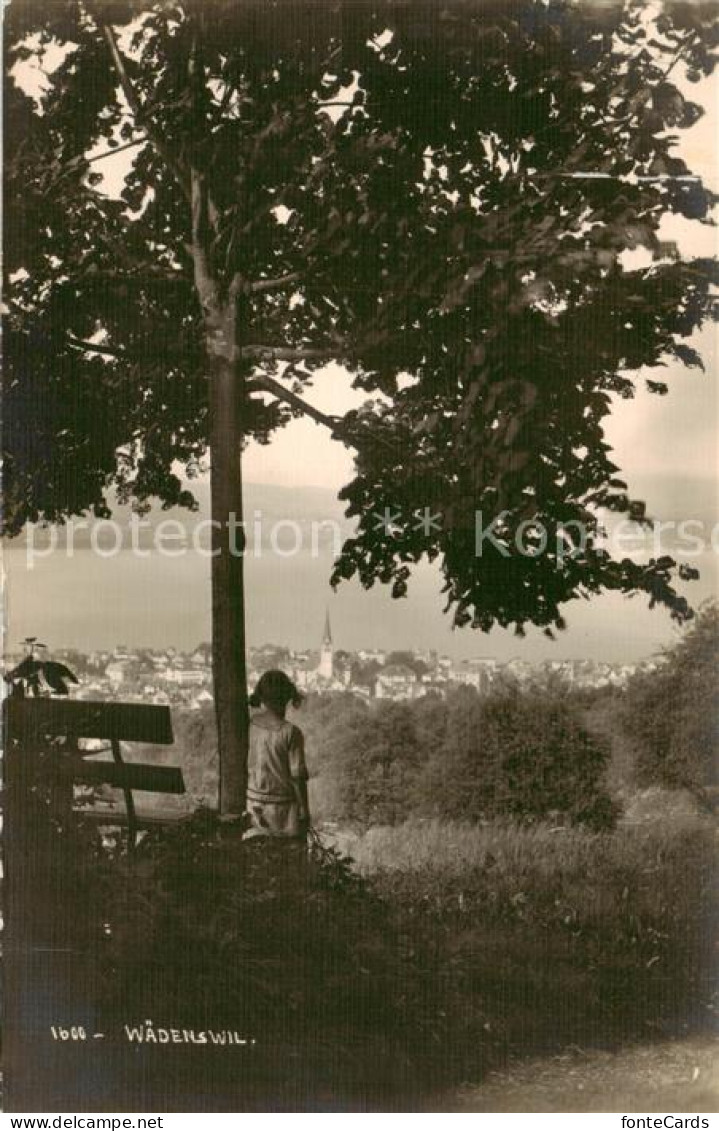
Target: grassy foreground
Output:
[(441, 951), (547, 936)]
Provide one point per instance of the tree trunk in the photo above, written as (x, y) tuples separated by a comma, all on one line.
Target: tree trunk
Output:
[(228, 606)]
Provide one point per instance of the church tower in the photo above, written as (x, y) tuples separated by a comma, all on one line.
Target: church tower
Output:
[(326, 667)]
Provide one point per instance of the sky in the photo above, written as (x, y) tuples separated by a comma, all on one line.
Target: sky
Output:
[(667, 448)]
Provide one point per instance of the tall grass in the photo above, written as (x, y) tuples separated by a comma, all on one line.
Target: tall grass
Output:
[(550, 935), (456, 847)]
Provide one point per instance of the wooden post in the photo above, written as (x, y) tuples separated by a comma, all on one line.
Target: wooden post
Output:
[(129, 800)]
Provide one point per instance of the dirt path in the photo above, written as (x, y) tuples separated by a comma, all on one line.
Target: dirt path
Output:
[(681, 1076)]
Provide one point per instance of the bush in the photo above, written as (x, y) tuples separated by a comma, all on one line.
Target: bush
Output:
[(516, 754), (465, 757), (672, 714), (376, 756)]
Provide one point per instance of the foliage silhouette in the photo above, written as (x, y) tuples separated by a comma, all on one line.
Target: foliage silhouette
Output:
[(435, 197)]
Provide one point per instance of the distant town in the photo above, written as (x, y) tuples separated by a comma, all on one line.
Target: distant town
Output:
[(169, 676)]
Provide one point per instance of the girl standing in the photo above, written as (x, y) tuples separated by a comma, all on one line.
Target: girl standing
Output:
[(277, 801)]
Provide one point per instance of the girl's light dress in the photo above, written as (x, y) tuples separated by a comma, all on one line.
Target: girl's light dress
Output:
[(276, 756)]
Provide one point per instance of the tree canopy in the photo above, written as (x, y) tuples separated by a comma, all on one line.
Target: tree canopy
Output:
[(435, 196)]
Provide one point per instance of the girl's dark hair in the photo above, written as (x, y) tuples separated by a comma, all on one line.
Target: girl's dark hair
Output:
[(275, 689)]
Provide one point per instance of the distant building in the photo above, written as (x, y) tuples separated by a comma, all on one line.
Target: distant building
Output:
[(116, 672), (325, 669), (397, 681), (521, 670), (315, 671), (304, 671), (186, 677), (474, 673)]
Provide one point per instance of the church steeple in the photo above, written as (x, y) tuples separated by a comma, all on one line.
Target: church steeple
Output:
[(326, 666)]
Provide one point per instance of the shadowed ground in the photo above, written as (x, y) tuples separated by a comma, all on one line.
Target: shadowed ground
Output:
[(681, 1076)]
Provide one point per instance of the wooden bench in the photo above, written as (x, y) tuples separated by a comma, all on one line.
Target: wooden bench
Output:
[(42, 746)]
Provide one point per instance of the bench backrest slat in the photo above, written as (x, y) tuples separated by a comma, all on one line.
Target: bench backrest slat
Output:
[(85, 718), (128, 775)]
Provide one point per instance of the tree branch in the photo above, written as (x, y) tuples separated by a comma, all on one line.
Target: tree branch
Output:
[(335, 424), (677, 55), (286, 353), (142, 275), (269, 385), (137, 109), (262, 286), (98, 347), (117, 149), (204, 279), (130, 356), (204, 218), (76, 164)]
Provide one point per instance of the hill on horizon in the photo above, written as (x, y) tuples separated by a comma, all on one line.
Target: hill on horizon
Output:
[(73, 597)]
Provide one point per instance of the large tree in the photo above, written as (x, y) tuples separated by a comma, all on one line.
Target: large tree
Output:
[(436, 196)]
